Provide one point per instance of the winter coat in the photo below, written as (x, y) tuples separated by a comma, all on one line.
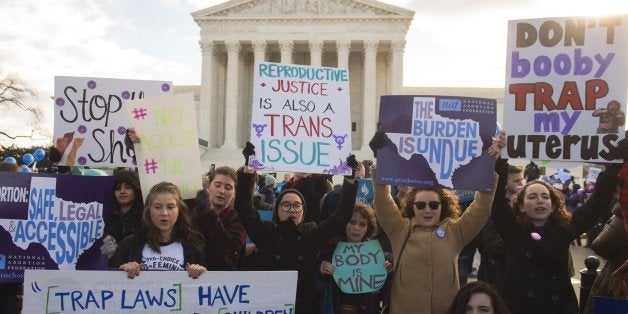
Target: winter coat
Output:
[(426, 280), (286, 246), (225, 237), (537, 278), (130, 250), (612, 245), (120, 224)]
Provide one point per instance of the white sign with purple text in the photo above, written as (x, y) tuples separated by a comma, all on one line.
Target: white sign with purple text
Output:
[(566, 82), (89, 122)]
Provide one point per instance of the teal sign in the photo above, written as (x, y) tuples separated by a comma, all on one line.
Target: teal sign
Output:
[(359, 266)]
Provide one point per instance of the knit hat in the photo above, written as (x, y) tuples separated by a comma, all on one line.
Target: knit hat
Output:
[(129, 177), (270, 180), (278, 202)]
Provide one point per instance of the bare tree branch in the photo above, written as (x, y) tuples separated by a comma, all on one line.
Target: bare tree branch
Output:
[(14, 95)]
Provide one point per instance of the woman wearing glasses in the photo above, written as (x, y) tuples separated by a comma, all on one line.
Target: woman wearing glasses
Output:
[(426, 279), (287, 243)]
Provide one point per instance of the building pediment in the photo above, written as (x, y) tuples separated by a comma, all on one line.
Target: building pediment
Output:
[(269, 9)]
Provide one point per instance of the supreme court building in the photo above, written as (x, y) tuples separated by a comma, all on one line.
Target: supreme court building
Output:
[(365, 36)]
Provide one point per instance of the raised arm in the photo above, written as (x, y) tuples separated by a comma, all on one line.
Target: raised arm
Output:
[(501, 211), (605, 186), (336, 223), (388, 214)]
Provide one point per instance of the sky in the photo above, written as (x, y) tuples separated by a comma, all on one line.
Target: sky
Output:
[(458, 43)]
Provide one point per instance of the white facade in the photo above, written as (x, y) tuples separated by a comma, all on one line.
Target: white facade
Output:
[(365, 36)]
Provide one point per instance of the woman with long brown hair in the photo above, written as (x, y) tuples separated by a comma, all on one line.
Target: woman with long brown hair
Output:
[(166, 241)]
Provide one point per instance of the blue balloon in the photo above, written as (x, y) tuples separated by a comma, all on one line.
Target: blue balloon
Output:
[(10, 160), (28, 158), (39, 154), (25, 169)]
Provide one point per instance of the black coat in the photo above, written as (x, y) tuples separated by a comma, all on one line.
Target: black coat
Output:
[(286, 246), (130, 250), (537, 278)]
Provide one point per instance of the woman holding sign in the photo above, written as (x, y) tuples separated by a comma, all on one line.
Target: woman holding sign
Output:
[(427, 235), (166, 241), (287, 243), (362, 227), (537, 231)]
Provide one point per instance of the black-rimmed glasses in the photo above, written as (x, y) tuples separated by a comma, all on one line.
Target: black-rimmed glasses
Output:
[(295, 207), (421, 205)]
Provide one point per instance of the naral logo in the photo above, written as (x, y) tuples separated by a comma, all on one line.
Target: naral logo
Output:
[(3, 261)]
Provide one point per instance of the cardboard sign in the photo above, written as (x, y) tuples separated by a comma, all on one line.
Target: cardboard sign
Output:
[(90, 123), (168, 148), (437, 142), (359, 266), (52, 222), (301, 119), (565, 96), (159, 292)]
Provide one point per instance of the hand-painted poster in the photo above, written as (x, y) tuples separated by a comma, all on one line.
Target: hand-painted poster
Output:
[(565, 96), (52, 222), (437, 141), (159, 292), (301, 119), (168, 148), (90, 123), (359, 267)]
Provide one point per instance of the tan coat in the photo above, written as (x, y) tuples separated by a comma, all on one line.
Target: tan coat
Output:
[(427, 278)]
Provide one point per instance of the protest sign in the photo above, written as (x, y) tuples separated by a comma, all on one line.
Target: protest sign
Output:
[(565, 96), (359, 266), (168, 148), (301, 119), (365, 192), (89, 122), (52, 222), (437, 141), (593, 173), (159, 292)]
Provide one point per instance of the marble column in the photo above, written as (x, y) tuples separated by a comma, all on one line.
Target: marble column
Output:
[(397, 47), (207, 69), (259, 51), (343, 47), (231, 103), (316, 52), (369, 116), (286, 47)]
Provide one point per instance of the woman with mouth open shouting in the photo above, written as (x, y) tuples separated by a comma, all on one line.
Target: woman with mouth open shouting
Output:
[(287, 243), (166, 241), (537, 231)]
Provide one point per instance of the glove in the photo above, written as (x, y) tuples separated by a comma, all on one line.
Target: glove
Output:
[(621, 150), (353, 164), (378, 141), (618, 152), (248, 151), (108, 246)]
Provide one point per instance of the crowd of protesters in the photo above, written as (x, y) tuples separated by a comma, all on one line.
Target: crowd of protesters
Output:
[(523, 231)]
